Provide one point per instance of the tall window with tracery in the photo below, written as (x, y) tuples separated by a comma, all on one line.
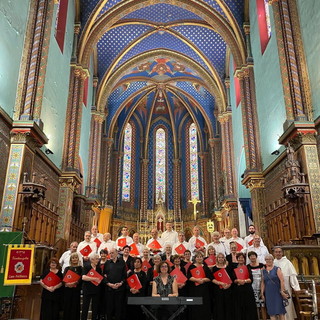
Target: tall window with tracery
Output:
[(127, 158), (194, 170), (160, 149)]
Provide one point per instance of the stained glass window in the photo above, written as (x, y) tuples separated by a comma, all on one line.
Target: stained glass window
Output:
[(127, 156), (193, 145), (264, 24), (160, 164), (266, 6)]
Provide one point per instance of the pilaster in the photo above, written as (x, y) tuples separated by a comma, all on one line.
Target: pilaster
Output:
[(144, 190), (26, 137), (249, 118), (293, 67), (73, 120), (301, 136), (107, 173), (177, 189), (97, 120), (34, 63), (69, 182), (254, 181)]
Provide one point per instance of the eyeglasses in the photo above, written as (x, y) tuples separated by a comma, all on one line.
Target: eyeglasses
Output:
[(164, 266)]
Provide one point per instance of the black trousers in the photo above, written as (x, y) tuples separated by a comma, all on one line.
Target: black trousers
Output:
[(116, 304), (86, 303)]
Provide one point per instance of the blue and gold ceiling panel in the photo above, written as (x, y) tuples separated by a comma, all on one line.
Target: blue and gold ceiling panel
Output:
[(114, 41), (120, 94), (162, 13), (210, 43), (237, 9), (202, 96), (216, 6), (161, 69), (165, 41), (177, 108)]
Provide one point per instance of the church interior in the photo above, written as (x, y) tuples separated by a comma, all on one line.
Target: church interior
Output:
[(136, 113)]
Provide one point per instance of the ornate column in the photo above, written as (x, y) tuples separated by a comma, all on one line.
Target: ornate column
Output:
[(302, 138), (69, 182), (230, 202), (215, 167), (73, 119), (204, 183), (255, 182), (250, 118), (93, 189), (34, 62), (26, 136), (177, 189), (117, 175), (293, 67), (144, 190), (109, 144)]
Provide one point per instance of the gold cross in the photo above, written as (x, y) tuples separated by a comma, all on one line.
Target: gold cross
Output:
[(195, 201)]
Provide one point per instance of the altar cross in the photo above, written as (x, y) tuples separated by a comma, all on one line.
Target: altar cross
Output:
[(195, 201)]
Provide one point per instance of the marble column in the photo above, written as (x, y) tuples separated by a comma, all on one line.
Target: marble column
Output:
[(177, 189)]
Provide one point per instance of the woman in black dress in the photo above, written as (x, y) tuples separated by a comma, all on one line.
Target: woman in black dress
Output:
[(223, 308), (177, 265), (245, 304), (90, 290), (199, 286), (71, 301), (134, 312), (51, 294)]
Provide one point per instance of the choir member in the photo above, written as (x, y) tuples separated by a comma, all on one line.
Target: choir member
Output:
[(196, 242), (182, 244), (127, 258), (164, 285), (223, 308), (90, 286), (133, 311), (241, 246), (155, 244), (245, 305), (217, 243), (71, 295), (152, 273), (260, 249), (124, 239), (177, 265), (169, 236), (52, 291), (256, 270), (167, 255), (211, 252), (102, 262), (115, 275), (226, 240), (248, 240), (86, 247), (65, 258), (107, 243), (232, 257), (200, 276), (187, 260), (137, 244)]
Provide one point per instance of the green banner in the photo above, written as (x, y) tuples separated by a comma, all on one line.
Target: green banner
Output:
[(5, 239)]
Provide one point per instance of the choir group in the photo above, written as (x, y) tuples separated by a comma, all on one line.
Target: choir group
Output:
[(236, 278)]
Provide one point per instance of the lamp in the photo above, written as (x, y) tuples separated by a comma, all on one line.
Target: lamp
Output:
[(48, 151), (275, 153)]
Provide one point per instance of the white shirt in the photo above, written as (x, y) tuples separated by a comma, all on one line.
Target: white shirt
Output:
[(169, 237), (160, 242), (261, 252), (239, 241), (184, 243), (226, 243), (290, 282), (84, 243), (220, 248), (128, 240), (107, 244), (248, 238), (99, 236), (65, 260), (192, 243)]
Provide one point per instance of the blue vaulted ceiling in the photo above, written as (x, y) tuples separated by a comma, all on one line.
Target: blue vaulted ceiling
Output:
[(171, 28)]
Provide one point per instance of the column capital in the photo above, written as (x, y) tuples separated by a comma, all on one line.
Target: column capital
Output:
[(95, 81), (77, 28), (28, 132), (98, 116), (253, 180), (224, 117), (109, 142), (70, 179), (246, 28), (80, 71), (299, 133)]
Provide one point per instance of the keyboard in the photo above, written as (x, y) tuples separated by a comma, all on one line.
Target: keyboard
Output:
[(164, 301)]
